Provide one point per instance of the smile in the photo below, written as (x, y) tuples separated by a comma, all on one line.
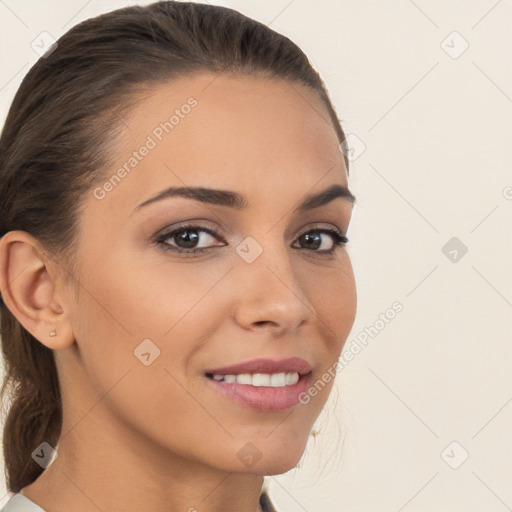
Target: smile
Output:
[(259, 391), (275, 380)]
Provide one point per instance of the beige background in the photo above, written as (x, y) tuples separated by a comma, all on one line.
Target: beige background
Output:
[(434, 384)]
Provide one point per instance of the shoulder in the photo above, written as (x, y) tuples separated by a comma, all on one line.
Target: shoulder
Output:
[(20, 503)]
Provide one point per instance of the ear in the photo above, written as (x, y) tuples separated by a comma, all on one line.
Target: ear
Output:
[(32, 291)]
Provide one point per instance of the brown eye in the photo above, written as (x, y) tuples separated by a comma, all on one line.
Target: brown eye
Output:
[(186, 239), (313, 240)]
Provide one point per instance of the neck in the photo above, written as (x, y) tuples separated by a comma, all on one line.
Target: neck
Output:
[(86, 477)]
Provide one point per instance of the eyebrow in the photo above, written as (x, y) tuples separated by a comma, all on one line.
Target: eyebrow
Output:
[(235, 200)]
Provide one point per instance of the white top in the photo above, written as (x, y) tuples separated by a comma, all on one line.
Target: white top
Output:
[(20, 503)]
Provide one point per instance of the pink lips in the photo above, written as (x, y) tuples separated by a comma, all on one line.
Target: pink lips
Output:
[(292, 364), (264, 398)]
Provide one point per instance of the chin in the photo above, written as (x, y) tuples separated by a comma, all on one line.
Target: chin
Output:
[(276, 467), (276, 462)]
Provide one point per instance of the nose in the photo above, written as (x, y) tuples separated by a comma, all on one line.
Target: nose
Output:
[(270, 294)]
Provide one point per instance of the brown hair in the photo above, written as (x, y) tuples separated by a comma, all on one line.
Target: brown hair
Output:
[(52, 153)]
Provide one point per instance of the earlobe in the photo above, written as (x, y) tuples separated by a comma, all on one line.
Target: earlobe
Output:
[(28, 286)]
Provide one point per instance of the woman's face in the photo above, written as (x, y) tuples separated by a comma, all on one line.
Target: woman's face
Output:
[(152, 320)]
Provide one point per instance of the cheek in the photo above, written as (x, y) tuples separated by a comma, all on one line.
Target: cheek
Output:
[(117, 309), (334, 298), (129, 301), (148, 297)]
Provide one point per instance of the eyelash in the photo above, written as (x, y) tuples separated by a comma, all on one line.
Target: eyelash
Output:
[(339, 240)]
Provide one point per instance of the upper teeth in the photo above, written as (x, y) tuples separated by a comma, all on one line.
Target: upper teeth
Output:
[(274, 380)]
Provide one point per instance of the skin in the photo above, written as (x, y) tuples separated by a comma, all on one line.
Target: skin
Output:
[(160, 428)]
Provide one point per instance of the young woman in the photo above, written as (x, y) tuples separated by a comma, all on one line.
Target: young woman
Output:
[(176, 287)]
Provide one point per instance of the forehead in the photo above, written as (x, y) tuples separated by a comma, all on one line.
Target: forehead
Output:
[(231, 132)]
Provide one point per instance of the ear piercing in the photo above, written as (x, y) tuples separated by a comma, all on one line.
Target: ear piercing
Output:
[(53, 332)]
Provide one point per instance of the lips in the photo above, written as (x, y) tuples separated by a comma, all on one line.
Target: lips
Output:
[(292, 364), (292, 379), (262, 399)]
